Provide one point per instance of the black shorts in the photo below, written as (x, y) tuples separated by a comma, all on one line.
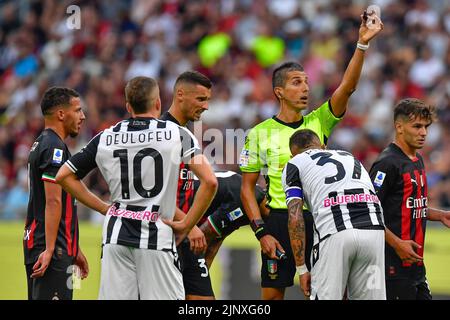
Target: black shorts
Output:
[(225, 220), (55, 284), (195, 272), (281, 273), (407, 289)]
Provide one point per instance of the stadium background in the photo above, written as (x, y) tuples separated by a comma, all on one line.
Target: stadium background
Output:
[(236, 43)]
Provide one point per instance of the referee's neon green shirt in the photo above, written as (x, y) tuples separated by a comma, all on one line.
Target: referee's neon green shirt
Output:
[(266, 148)]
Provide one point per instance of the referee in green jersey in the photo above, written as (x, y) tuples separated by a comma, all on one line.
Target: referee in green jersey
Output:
[(266, 151)]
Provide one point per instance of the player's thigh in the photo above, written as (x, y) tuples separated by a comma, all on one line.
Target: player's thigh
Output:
[(278, 273), (407, 289), (423, 291), (56, 284), (158, 275), (118, 279), (331, 264), (366, 280), (196, 278)]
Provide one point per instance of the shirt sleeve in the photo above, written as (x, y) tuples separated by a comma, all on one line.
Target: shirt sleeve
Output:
[(189, 145), (382, 174), (84, 162), (292, 185), (327, 118), (51, 159), (250, 160)]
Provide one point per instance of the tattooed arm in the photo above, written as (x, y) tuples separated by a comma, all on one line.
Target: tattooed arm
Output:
[(296, 226)]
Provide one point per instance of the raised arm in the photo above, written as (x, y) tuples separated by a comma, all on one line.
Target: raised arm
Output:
[(341, 95)]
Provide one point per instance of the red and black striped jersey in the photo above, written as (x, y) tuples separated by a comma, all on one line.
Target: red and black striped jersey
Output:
[(48, 153), (185, 188), (401, 186)]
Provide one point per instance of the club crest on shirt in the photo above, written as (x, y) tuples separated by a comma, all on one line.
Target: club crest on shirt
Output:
[(379, 179), (57, 156)]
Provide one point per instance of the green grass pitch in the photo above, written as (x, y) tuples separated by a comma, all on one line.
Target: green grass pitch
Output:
[(13, 285)]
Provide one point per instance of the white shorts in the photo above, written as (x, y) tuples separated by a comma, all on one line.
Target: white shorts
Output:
[(352, 259), (131, 273)]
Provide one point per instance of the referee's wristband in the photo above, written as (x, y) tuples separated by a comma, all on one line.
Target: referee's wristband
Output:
[(302, 269), (258, 228), (362, 47)]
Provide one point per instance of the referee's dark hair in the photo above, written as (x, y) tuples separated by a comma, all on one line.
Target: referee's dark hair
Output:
[(193, 77), (303, 139), (279, 74), (411, 108), (56, 96), (139, 93)]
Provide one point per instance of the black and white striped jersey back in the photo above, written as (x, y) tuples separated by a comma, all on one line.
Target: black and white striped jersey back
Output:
[(139, 159), (336, 189)]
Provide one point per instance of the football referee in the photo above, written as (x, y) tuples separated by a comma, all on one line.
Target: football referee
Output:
[(266, 150)]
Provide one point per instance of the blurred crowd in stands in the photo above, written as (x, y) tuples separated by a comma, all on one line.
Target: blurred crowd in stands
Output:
[(234, 42)]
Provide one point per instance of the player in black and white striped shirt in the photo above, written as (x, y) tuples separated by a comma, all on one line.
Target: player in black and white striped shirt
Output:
[(348, 246), (139, 159)]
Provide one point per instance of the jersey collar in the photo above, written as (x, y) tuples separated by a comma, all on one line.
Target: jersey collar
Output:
[(293, 125)]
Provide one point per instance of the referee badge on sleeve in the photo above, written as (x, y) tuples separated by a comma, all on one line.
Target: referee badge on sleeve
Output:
[(243, 161), (379, 179)]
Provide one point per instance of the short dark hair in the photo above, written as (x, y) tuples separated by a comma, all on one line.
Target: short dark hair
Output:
[(193, 77), (57, 96), (303, 138), (411, 108), (279, 74), (138, 93)]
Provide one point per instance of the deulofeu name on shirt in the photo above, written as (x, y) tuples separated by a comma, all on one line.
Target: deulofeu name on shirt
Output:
[(138, 137)]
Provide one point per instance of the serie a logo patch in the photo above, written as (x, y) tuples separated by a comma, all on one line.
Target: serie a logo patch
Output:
[(379, 179), (57, 156)]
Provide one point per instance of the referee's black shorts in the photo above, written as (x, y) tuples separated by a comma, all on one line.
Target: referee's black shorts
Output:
[(281, 273), (56, 284)]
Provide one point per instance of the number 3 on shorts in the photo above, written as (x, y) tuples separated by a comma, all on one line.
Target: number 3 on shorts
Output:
[(202, 264)]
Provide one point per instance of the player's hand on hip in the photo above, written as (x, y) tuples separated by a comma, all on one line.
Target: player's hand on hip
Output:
[(305, 284), (42, 264), (269, 245), (180, 229), (405, 250), (197, 240), (366, 34)]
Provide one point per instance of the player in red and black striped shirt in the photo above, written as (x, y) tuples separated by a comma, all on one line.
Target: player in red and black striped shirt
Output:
[(400, 180), (51, 229), (192, 91)]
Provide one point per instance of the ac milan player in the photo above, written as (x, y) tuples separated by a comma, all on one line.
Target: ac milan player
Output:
[(400, 181), (51, 229)]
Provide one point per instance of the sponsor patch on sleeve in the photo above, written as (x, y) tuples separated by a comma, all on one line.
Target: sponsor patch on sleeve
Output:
[(379, 179), (57, 156)]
